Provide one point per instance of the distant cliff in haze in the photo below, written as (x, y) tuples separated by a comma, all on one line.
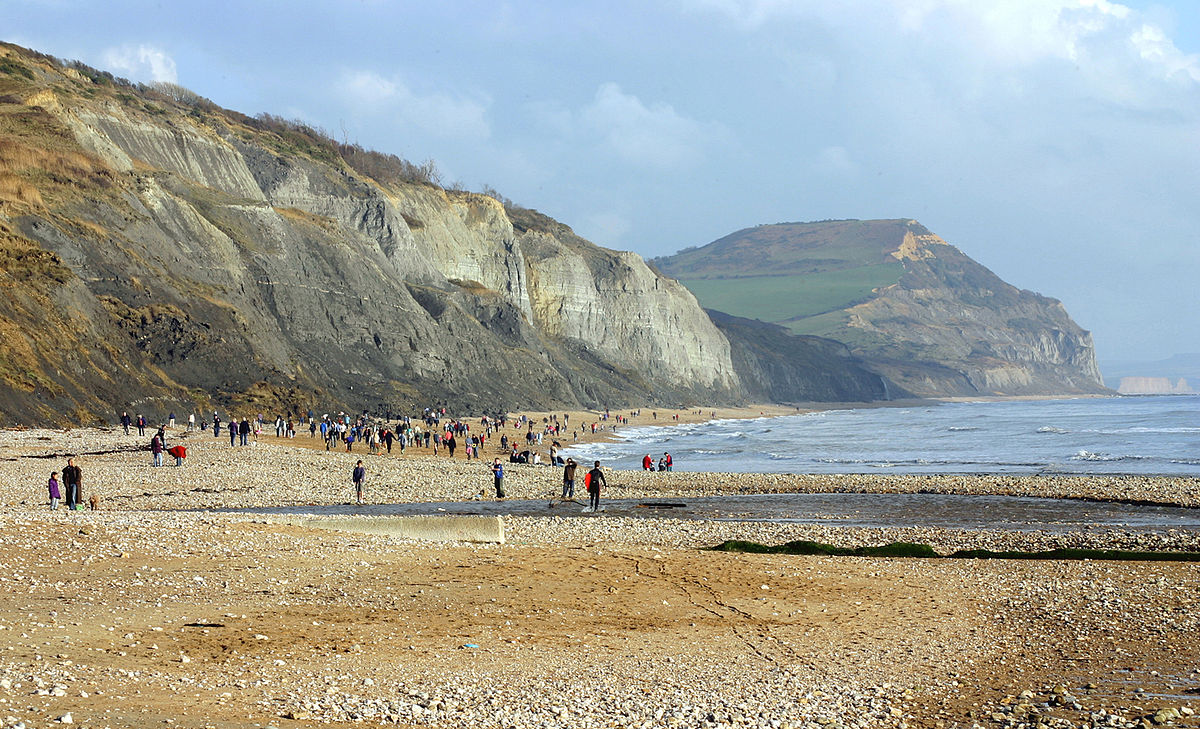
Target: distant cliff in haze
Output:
[(912, 307)]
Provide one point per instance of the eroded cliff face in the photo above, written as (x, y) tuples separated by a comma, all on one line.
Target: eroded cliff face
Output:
[(218, 260), (952, 327), (911, 306)]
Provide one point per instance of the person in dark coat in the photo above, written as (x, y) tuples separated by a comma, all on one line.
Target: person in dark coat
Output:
[(595, 481), (359, 476), (73, 480)]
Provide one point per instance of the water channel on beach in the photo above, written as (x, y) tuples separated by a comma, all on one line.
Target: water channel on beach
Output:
[(1006, 513)]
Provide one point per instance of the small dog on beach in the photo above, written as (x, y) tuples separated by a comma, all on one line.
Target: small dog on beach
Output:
[(93, 502)]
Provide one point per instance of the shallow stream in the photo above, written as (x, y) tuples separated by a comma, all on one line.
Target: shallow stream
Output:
[(1007, 513)]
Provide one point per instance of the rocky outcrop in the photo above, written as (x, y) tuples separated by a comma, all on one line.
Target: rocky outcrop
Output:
[(909, 305), (223, 259), (952, 327), (1154, 386)]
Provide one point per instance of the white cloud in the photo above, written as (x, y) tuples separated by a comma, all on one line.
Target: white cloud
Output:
[(654, 136), (140, 63), (437, 113), (1099, 36)]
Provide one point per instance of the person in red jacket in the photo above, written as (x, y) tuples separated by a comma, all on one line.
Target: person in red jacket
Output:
[(647, 463)]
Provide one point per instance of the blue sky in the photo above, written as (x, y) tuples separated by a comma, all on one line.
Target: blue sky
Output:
[(1055, 141)]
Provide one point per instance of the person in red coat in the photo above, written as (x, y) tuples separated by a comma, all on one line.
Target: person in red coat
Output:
[(647, 463)]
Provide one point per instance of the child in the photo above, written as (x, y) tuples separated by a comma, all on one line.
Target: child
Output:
[(55, 495)]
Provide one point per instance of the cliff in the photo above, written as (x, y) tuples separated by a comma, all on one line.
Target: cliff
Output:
[(162, 253), (778, 366), (1154, 386), (914, 308)]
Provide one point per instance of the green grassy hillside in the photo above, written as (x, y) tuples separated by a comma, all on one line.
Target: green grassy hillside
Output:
[(792, 248), (788, 272), (785, 299)]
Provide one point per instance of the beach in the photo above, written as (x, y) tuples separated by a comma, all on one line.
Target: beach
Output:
[(165, 607)]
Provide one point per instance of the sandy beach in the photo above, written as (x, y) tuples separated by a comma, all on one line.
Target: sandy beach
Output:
[(162, 609)]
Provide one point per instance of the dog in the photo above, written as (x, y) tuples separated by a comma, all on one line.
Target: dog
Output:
[(93, 502)]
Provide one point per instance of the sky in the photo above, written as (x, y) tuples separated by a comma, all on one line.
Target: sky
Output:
[(1055, 141)]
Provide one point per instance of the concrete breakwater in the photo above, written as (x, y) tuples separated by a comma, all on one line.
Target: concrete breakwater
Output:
[(480, 529)]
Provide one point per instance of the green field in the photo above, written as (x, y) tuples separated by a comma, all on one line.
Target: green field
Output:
[(779, 298)]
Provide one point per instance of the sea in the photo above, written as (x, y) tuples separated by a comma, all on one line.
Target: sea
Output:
[(1111, 435)]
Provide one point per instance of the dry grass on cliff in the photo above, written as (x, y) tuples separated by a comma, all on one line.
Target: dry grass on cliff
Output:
[(15, 190), (36, 178)]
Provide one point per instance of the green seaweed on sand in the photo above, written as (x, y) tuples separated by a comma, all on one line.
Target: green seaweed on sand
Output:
[(905, 549)]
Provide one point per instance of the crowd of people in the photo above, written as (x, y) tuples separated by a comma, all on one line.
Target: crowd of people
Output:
[(432, 431)]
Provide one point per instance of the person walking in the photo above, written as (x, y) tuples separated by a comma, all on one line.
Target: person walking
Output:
[(232, 427), (244, 431), (156, 448), (55, 495), (595, 481), (569, 479), (73, 479), (191, 422), (498, 477), (359, 476), (126, 421)]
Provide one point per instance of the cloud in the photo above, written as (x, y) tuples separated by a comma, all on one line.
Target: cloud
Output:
[(653, 136), (438, 113), (1111, 44), (140, 63)]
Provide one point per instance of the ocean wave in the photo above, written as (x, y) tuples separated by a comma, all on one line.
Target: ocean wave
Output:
[(961, 428), (1090, 456), (1052, 429)]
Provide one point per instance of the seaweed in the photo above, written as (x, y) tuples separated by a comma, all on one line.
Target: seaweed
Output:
[(895, 549), (1081, 554), (924, 551)]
